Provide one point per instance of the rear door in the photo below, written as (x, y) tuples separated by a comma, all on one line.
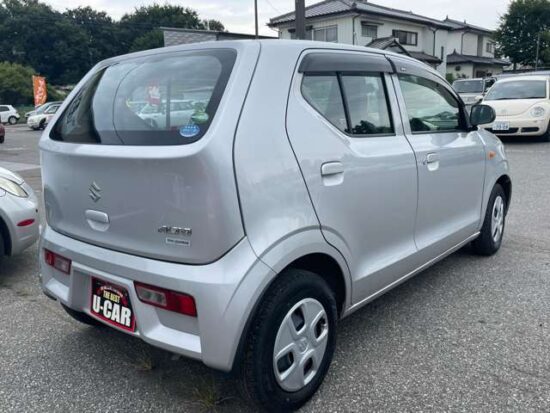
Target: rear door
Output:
[(450, 158), (343, 124), (165, 190)]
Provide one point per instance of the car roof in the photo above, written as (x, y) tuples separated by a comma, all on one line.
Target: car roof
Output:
[(527, 77), (296, 45)]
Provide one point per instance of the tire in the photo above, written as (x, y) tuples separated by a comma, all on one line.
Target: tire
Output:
[(2, 138), (2, 249), (42, 124), (12, 120), (546, 136), (82, 317), (488, 243), (292, 293)]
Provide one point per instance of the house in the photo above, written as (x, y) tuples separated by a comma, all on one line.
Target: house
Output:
[(174, 36), (473, 51), (432, 41)]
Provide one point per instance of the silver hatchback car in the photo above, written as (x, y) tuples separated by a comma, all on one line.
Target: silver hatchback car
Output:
[(308, 180)]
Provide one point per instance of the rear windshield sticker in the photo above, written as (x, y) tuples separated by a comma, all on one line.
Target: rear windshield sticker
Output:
[(190, 130)]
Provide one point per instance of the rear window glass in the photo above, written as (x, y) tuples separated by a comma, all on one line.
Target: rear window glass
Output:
[(518, 89), (469, 86), (156, 100)]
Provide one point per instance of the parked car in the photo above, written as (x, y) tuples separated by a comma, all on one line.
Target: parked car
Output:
[(42, 116), (2, 133), (180, 113), (241, 236), (8, 114), (522, 106), (19, 222), (42, 108), (472, 90)]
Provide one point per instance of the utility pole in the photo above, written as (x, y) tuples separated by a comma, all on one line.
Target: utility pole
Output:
[(256, 16), (300, 19), (537, 58)]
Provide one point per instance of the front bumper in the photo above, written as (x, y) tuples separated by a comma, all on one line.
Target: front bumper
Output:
[(225, 292), (16, 210), (521, 126)]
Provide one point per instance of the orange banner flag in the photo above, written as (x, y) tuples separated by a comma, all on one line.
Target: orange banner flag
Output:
[(39, 89)]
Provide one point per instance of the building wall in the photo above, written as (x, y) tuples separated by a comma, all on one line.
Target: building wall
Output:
[(174, 37), (465, 70), (470, 43), (347, 35)]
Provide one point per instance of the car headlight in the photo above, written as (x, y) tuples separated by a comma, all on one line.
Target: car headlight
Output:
[(537, 112), (12, 188)]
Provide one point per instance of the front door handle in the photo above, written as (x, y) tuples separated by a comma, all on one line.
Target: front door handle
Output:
[(332, 168)]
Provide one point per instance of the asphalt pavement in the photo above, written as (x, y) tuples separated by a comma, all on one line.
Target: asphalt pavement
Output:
[(469, 334)]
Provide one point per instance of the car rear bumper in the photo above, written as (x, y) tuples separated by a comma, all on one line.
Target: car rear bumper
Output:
[(224, 291)]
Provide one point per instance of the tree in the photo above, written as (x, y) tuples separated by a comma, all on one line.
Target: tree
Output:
[(141, 28), (519, 29), (15, 83)]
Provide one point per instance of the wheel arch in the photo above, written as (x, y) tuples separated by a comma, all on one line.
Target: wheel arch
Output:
[(506, 183), (5, 234), (318, 257)]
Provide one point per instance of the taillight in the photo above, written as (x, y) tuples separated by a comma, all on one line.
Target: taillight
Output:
[(57, 261), (167, 299)]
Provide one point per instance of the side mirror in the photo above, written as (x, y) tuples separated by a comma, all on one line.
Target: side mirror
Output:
[(478, 98), (482, 114)]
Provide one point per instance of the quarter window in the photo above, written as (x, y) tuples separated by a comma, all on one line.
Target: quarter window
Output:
[(406, 38), (367, 105), (326, 34), (4, 109), (369, 30), (323, 93), (430, 106)]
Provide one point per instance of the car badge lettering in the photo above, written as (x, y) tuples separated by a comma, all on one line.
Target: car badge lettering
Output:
[(175, 230), (95, 192)]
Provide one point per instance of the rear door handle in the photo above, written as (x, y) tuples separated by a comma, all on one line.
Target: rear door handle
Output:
[(332, 168), (431, 158)]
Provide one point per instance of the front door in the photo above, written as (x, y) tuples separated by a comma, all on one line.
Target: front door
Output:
[(450, 159), (343, 124)]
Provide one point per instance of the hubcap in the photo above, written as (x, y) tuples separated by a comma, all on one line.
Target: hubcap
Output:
[(497, 219), (300, 344)]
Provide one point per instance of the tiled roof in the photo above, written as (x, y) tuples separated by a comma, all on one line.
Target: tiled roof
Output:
[(330, 7), (425, 57), (391, 42), (458, 25), (462, 58)]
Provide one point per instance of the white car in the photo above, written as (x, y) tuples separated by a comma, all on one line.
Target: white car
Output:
[(522, 106), (180, 113), (472, 90), (42, 116), (19, 222), (8, 114)]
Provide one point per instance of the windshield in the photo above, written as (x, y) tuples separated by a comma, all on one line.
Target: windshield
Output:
[(518, 89), (154, 100), (468, 86)]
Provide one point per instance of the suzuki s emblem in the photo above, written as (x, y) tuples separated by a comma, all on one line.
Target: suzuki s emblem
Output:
[(95, 192)]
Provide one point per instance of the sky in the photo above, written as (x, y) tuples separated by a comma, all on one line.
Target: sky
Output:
[(238, 15)]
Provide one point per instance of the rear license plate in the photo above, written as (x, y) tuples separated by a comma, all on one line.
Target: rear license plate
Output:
[(111, 303), (501, 126)]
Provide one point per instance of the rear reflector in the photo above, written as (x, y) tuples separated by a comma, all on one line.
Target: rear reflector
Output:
[(26, 223), (166, 299), (57, 261)]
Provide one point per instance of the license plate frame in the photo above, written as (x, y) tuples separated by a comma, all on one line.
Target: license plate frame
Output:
[(119, 313), (501, 126)]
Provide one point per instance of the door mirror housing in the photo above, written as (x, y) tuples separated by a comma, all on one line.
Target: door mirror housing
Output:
[(482, 114), (478, 98)]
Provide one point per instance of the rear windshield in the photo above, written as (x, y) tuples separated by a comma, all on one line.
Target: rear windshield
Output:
[(156, 100), (468, 86), (517, 89)]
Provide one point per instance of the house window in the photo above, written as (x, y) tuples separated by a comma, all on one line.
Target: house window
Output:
[(490, 47), (326, 34), (406, 38), (309, 33), (369, 30)]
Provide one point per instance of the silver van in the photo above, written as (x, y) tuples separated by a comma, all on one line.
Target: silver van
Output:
[(308, 180)]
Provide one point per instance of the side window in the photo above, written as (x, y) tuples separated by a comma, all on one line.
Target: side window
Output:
[(367, 104), (4, 109), (323, 93), (430, 106)]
